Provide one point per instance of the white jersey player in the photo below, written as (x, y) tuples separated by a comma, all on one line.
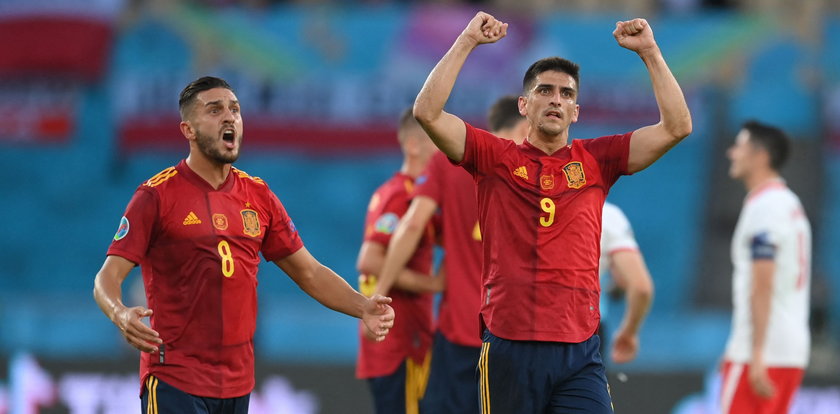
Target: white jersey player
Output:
[(621, 258), (769, 343)]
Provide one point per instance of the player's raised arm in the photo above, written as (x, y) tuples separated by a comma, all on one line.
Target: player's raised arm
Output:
[(651, 142), (447, 130), (332, 291)]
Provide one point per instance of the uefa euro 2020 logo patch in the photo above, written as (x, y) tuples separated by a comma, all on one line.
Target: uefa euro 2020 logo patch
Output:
[(122, 231), (387, 223)]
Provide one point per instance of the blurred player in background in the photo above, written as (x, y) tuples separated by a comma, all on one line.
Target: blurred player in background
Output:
[(397, 368), (196, 230), (540, 217), (450, 190), (623, 261), (770, 340)]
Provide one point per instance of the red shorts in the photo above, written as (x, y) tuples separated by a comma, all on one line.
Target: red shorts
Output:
[(738, 397)]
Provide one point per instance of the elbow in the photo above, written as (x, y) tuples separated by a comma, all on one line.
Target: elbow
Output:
[(423, 113), (682, 129)]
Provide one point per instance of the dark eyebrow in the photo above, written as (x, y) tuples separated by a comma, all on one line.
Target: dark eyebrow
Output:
[(219, 102)]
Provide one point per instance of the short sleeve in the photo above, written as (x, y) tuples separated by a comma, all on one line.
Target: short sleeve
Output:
[(766, 228), (616, 233), (481, 150), (136, 226), (282, 238), (612, 153), (385, 216)]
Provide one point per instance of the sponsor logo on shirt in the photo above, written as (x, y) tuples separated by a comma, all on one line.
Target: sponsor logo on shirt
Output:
[(521, 172), (575, 176), (387, 223), (191, 219), (220, 221), (122, 230), (547, 182), (250, 222)]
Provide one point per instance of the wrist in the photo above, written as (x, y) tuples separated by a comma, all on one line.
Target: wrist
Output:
[(466, 42), (650, 53)]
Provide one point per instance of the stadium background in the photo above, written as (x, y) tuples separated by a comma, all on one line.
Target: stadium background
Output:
[(88, 90)]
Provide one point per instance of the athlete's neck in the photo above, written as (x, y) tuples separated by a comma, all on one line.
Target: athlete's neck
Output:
[(211, 171), (760, 178), (548, 144)]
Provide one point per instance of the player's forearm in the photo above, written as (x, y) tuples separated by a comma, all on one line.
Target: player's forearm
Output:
[(107, 292), (416, 282), (400, 248), (760, 301), (673, 110), (332, 291), (639, 300), (429, 103)]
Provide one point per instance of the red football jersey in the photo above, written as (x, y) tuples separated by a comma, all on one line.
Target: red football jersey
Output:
[(198, 249), (411, 335), (540, 219), (453, 189)]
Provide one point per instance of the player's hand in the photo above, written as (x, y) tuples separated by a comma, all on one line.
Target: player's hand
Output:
[(635, 35), (135, 331), (378, 317), (760, 380), (625, 347), (484, 28)]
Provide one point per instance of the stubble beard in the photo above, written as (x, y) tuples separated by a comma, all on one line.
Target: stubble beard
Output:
[(208, 146)]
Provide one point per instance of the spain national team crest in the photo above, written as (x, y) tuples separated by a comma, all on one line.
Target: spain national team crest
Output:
[(220, 221), (575, 176), (250, 222), (547, 182)]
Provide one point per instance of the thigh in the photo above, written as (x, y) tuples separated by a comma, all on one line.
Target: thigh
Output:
[(512, 376), (238, 405), (452, 385), (159, 397), (389, 392), (738, 396), (584, 388)]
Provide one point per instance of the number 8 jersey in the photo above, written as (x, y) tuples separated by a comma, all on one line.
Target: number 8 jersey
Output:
[(198, 249), (540, 217)]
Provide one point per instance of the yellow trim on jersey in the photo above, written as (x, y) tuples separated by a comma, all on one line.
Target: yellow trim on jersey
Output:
[(151, 387), (160, 177), (243, 174), (416, 379), (484, 384)]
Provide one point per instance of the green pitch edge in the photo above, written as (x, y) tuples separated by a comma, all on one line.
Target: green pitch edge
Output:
[(735, 38), (234, 38)]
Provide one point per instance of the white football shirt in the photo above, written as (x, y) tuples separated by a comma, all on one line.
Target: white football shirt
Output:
[(773, 225), (616, 235)]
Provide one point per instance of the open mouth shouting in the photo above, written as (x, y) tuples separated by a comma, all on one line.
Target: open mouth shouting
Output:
[(229, 137)]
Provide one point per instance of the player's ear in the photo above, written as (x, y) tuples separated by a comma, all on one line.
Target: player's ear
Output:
[(521, 103), (187, 130)]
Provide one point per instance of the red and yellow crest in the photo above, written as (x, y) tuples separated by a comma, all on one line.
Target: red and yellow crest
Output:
[(220, 221), (250, 222), (575, 177), (547, 182)]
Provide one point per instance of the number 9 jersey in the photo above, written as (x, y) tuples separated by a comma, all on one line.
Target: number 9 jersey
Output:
[(198, 248)]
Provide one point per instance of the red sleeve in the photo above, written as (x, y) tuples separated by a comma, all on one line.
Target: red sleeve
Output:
[(612, 153), (282, 239), (137, 226), (481, 150), (382, 220), (429, 183)]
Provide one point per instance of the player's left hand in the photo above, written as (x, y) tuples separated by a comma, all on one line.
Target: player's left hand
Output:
[(378, 317), (635, 35), (760, 380), (625, 347)]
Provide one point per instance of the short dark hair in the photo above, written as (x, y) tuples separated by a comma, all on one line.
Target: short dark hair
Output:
[(195, 87), (771, 139), (550, 63), (407, 122), (504, 113)]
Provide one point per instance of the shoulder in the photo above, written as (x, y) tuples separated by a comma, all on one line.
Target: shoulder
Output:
[(247, 178), (160, 181)]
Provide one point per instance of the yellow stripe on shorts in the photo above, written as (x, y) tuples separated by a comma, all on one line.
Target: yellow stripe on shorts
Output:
[(416, 379), (151, 389), (484, 383)]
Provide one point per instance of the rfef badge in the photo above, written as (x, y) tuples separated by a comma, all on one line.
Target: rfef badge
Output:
[(575, 176), (250, 222)]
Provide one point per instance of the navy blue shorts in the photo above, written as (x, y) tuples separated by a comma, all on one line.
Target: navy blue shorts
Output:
[(159, 397), (452, 385), (542, 377), (401, 391)]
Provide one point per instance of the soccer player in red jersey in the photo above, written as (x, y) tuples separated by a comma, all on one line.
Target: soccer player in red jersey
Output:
[(540, 216), (397, 368), (450, 190), (196, 230)]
